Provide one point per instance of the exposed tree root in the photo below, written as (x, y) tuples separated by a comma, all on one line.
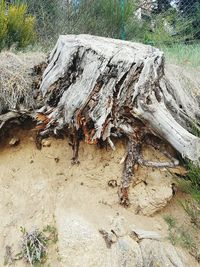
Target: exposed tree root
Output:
[(139, 136)]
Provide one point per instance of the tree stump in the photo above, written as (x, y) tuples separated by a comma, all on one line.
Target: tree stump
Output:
[(97, 88)]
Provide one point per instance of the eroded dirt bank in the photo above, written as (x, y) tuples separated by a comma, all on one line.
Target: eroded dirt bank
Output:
[(42, 187)]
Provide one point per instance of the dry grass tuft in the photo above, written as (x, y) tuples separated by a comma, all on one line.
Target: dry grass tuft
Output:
[(16, 90)]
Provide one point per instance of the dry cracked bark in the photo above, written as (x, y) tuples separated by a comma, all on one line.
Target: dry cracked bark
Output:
[(96, 88)]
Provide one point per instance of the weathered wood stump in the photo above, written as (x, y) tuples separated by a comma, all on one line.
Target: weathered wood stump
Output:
[(97, 88)]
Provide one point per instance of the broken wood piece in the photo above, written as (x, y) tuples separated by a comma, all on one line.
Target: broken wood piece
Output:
[(109, 238), (138, 234), (14, 141)]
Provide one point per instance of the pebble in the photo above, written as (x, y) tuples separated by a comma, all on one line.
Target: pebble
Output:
[(46, 143)]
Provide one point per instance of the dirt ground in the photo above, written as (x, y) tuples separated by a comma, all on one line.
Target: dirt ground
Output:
[(37, 185)]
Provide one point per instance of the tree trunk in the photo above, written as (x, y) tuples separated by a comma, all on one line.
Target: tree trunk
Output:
[(108, 84)]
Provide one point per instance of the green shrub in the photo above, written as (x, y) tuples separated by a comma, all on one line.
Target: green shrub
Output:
[(16, 27), (167, 28), (3, 24), (104, 18), (48, 14), (194, 181)]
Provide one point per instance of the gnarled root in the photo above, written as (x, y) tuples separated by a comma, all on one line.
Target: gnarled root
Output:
[(131, 164), (134, 158), (75, 142)]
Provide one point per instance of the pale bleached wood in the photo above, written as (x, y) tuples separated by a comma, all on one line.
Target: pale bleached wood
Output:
[(100, 78)]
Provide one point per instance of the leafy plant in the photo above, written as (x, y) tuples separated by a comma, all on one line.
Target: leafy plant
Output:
[(53, 234), (33, 247), (48, 14), (3, 23), (194, 178), (168, 28), (16, 26), (20, 27)]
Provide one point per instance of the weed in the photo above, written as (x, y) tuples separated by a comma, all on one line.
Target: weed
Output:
[(192, 186), (53, 234), (182, 236), (172, 237), (193, 212), (33, 247), (171, 221), (186, 239)]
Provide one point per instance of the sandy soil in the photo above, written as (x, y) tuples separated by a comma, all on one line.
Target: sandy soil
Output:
[(35, 189)]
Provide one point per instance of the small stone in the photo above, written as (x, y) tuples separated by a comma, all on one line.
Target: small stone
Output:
[(112, 183), (46, 143), (106, 165), (60, 173), (31, 161), (56, 160), (14, 141), (158, 226)]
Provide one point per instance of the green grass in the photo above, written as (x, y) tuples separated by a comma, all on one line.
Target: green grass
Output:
[(183, 236), (186, 235), (191, 184), (193, 211), (171, 221), (182, 54)]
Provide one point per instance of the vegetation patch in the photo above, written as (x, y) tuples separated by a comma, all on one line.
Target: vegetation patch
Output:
[(179, 53), (16, 26), (33, 247), (187, 235), (184, 236)]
